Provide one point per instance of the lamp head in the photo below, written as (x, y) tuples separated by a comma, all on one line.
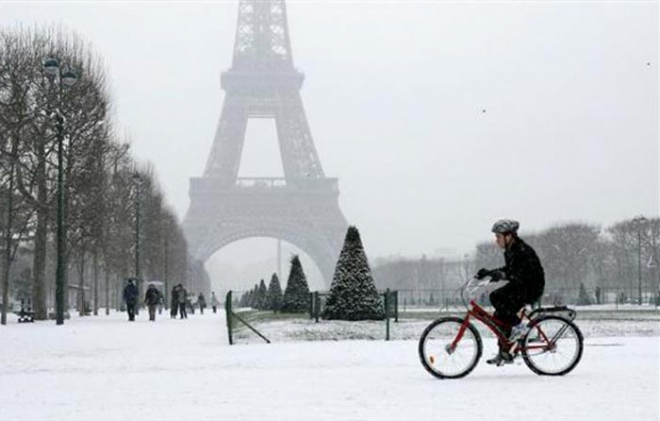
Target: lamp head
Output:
[(69, 78), (51, 66)]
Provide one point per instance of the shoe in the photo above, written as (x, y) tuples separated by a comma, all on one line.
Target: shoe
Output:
[(500, 359), (517, 332)]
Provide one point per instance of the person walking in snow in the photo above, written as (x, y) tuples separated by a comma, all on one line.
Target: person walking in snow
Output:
[(152, 299), (182, 298), (174, 302), (201, 301), (214, 302), (190, 304), (131, 297), (526, 278)]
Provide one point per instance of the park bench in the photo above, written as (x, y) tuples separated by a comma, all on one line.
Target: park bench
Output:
[(25, 314)]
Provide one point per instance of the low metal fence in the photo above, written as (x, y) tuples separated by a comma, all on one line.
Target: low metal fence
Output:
[(317, 300), (605, 298), (241, 315), (408, 312)]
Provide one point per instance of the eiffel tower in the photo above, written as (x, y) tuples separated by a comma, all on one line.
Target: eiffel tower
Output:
[(301, 208)]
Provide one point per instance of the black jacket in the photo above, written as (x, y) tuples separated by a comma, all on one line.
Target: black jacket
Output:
[(523, 270), (130, 294)]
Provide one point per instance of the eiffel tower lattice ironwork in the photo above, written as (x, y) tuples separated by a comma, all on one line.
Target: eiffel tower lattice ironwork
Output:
[(301, 208)]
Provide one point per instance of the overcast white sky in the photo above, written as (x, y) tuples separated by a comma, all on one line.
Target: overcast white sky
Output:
[(437, 117)]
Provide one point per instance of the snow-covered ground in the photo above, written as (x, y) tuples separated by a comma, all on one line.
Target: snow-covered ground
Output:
[(104, 368)]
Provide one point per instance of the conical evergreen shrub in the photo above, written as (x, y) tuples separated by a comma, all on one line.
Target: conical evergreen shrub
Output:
[(254, 296), (275, 296), (353, 294), (296, 294), (262, 300), (583, 296)]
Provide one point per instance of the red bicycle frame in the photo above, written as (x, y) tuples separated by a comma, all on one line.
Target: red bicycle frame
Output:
[(495, 325)]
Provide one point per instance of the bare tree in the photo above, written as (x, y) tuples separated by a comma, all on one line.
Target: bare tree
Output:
[(36, 116), (16, 97)]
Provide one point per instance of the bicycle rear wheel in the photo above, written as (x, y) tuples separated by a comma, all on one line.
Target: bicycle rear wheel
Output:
[(553, 346), (446, 356)]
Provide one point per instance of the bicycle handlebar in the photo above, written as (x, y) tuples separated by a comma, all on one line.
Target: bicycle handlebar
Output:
[(471, 287), (474, 284)]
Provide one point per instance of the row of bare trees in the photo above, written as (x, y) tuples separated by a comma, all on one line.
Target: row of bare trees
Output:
[(622, 257), (102, 182), (424, 274)]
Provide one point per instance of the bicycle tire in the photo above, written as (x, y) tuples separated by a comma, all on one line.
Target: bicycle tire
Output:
[(554, 328), (442, 332)]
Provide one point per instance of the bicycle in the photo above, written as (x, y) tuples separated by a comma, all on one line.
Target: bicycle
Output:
[(450, 347)]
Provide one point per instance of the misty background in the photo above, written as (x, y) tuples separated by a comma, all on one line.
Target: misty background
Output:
[(437, 117)]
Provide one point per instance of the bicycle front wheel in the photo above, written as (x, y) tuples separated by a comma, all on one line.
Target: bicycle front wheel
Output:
[(449, 351), (553, 346)]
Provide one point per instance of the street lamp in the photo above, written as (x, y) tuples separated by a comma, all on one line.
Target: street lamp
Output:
[(638, 221), (61, 79), (138, 182), (167, 282)]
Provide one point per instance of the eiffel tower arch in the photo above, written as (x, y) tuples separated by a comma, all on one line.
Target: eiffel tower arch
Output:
[(302, 207)]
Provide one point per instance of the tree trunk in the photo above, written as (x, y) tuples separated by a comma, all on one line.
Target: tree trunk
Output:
[(40, 305), (118, 291), (107, 291), (95, 261), (39, 300), (6, 260), (81, 284), (8, 234)]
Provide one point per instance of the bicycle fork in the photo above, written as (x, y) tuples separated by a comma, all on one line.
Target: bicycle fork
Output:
[(450, 348)]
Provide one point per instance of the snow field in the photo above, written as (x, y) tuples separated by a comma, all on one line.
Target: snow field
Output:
[(104, 368)]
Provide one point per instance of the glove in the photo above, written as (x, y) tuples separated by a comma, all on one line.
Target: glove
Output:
[(496, 275), (482, 273)]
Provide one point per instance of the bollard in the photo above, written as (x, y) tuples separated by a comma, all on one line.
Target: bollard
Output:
[(228, 311), (317, 305), (396, 306), (387, 314)]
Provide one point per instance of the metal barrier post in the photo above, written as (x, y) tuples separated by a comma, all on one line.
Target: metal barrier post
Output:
[(317, 306), (228, 312), (230, 320), (387, 314), (396, 306)]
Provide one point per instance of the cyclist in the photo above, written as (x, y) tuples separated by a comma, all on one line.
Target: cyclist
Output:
[(526, 279)]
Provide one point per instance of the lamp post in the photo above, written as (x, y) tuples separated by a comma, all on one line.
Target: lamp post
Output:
[(638, 221), (61, 78), (138, 182), (166, 304)]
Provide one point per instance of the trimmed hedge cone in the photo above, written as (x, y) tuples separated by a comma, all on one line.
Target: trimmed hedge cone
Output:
[(274, 294), (353, 294), (296, 294)]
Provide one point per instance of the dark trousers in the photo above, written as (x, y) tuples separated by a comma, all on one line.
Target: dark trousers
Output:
[(130, 308), (182, 310), (507, 301), (152, 312), (215, 309)]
